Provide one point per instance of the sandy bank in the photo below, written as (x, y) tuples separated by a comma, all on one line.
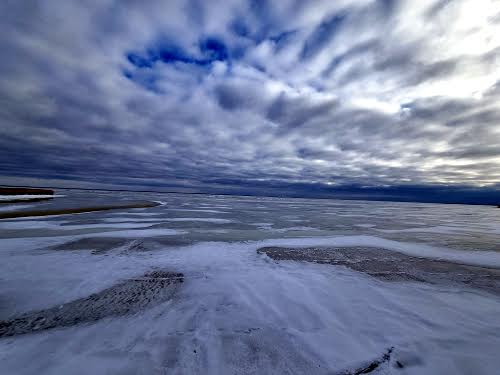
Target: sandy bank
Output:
[(127, 297), (76, 210)]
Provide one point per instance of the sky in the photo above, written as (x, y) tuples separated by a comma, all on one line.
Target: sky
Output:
[(375, 99)]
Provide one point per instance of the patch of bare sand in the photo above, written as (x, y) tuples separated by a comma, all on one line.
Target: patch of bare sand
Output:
[(389, 265), (130, 296)]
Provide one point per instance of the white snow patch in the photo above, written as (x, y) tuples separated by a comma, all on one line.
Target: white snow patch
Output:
[(201, 219), (28, 196), (365, 225), (133, 214), (34, 224), (445, 229), (197, 210), (15, 207), (157, 220), (263, 225), (291, 229)]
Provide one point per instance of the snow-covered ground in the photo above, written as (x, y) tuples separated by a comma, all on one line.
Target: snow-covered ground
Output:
[(240, 312)]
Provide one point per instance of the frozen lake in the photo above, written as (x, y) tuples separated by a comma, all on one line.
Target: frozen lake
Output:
[(230, 308)]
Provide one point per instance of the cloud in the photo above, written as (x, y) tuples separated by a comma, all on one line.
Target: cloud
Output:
[(243, 95)]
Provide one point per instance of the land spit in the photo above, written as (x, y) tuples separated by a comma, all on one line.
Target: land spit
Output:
[(76, 210)]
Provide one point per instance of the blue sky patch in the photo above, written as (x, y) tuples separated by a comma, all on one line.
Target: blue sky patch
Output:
[(322, 35), (210, 49)]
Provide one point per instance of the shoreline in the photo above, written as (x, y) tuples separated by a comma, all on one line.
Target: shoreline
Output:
[(75, 210)]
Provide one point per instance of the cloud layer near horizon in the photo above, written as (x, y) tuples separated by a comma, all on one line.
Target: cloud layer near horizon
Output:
[(251, 93)]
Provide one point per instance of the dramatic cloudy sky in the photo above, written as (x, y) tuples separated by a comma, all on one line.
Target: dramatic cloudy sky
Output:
[(290, 96)]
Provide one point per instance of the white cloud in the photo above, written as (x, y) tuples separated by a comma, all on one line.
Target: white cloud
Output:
[(388, 94)]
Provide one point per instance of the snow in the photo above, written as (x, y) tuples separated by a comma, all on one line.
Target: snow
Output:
[(290, 229), (135, 213), (365, 225), (240, 312), (15, 207), (132, 219), (197, 210), (40, 224), (202, 219), (446, 229), (141, 233), (28, 196)]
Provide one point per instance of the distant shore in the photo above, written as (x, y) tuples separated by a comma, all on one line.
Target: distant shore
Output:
[(25, 191)]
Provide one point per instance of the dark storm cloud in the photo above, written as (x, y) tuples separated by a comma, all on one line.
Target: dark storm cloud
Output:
[(322, 35), (296, 97), (291, 113), (231, 97)]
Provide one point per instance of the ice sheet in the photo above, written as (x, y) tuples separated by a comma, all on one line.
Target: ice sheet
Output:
[(242, 312), (15, 207)]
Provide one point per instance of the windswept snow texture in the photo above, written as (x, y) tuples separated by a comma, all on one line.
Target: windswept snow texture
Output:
[(244, 311)]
